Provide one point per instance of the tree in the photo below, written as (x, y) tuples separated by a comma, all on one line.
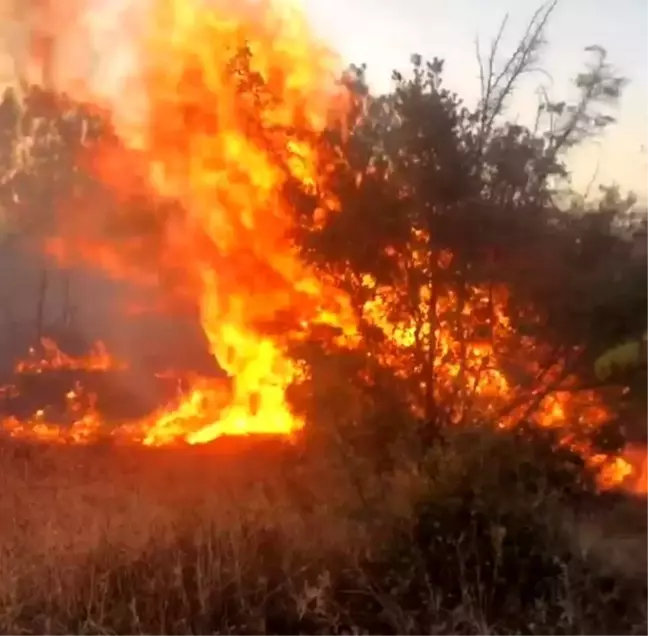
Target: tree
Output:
[(470, 277)]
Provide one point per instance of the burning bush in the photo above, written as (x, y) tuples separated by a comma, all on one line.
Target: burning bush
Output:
[(369, 276), (244, 194)]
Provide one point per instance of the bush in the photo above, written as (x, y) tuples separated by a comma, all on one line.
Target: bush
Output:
[(487, 549), (483, 536)]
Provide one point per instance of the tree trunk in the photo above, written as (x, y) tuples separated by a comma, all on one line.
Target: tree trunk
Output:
[(40, 305)]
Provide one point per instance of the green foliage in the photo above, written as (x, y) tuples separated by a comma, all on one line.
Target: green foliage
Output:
[(620, 358)]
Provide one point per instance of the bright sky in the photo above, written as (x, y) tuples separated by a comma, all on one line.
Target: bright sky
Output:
[(384, 33)]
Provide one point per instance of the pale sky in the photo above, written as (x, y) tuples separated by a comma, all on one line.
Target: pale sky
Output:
[(384, 33)]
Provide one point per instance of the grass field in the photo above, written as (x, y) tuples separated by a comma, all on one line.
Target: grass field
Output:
[(70, 517), (257, 536)]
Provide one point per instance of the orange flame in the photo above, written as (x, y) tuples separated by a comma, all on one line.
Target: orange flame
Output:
[(220, 107), (98, 359), (85, 425), (225, 108)]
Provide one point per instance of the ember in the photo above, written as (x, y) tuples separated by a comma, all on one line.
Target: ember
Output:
[(98, 359)]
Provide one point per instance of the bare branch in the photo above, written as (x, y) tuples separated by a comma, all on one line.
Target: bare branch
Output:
[(498, 86), (520, 62), (592, 180), (598, 85)]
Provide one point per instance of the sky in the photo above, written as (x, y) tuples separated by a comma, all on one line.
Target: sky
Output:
[(384, 33)]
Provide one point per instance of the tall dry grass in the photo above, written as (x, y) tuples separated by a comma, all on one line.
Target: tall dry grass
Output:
[(249, 537), (67, 514)]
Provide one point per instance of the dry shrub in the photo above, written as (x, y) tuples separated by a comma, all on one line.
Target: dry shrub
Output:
[(485, 535)]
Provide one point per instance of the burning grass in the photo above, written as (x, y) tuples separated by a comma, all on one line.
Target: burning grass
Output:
[(259, 536)]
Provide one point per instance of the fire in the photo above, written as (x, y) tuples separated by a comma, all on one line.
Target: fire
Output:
[(225, 106), (235, 105), (469, 374), (98, 359), (219, 108), (85, 422)]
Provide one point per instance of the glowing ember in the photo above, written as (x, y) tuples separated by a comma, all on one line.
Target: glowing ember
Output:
[(85, 425), (52, 358)]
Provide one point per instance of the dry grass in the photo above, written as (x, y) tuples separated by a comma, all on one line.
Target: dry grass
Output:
[(59, 501), (242, 537), (614, 536), (65, 510)]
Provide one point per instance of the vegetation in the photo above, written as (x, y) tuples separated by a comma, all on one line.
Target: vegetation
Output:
[(405, 508)]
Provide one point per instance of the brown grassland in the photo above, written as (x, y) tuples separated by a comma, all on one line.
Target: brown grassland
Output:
[(256, 536)]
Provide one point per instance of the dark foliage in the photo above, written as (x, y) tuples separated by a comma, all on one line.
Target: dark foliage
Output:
[(482, 550)]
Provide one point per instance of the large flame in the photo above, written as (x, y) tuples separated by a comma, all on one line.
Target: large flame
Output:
[(220, 107), (235, 100)]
